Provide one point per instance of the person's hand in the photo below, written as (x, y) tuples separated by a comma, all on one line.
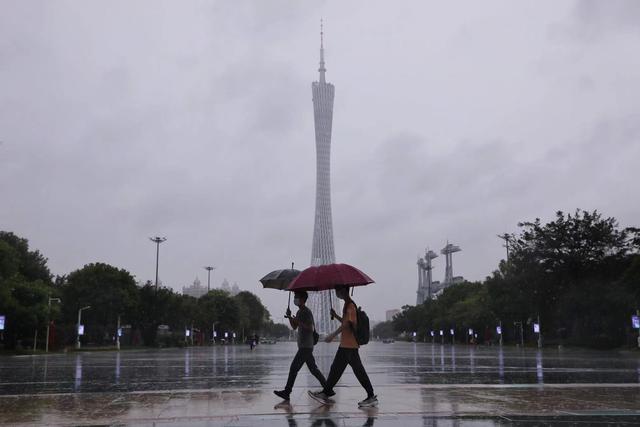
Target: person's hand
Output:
[(333, 314), (329, 338)]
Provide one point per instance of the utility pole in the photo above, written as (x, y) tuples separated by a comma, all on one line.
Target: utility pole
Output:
[(58, 300), (506, 237), (157, 240), (539, 333), (209, 269), (521, 332), (78, 325)]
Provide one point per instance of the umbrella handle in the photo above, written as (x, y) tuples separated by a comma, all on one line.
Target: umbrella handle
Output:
[(330, 303), (289, 303)]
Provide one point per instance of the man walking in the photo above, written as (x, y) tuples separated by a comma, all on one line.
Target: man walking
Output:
[(303, 322), (347, 354)]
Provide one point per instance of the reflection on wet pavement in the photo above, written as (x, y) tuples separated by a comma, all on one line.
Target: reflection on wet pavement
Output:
[(419, 384)]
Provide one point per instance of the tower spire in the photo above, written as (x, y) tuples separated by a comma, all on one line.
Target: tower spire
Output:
[(322, 70)]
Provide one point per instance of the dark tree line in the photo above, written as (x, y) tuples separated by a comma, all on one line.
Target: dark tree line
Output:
[(580, 274), (26, 285)]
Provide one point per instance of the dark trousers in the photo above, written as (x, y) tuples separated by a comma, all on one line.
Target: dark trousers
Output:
[(304, 355), (344, 357)]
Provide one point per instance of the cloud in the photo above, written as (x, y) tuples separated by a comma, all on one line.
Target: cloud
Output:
[(123, 121)]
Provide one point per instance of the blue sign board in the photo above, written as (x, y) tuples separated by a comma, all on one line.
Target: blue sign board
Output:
[(1, 323), (635, 322)]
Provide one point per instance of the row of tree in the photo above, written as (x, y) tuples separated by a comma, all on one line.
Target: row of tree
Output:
[(578, 274), (27, 289)]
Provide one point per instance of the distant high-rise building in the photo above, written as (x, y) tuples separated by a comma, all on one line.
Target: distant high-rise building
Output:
[(235, 289), (225, 285), (425, 279), (390, 313), (427, 287), (322, 251), (448, 252), (196, 290)]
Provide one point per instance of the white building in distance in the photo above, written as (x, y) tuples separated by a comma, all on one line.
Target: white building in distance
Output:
[(390, 313), (196, 290)]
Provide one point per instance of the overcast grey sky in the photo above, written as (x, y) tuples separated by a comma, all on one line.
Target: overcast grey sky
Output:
[(120, 120)]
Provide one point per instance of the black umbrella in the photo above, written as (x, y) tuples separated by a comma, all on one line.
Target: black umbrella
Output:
[(280, 279)]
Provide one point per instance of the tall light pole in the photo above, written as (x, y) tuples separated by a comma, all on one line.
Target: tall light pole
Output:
[(78, 325), (157, 240), (506, 237), (209, 268), (58, 300)]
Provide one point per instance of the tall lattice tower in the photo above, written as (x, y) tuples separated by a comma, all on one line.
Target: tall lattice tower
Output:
[(425, 278), (322, 251), (448, 252)]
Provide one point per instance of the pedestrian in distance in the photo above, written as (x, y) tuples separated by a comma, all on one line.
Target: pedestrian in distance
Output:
[(307, 338), (347, 354)]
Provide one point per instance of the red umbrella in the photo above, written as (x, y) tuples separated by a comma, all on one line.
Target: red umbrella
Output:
[(329, 276)]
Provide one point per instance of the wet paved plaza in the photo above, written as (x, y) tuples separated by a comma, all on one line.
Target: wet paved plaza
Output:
[(417, 384)]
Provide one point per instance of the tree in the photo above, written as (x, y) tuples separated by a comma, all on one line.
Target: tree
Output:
[(275, 330), (111, 292), (25, 285), (567, 268), (220, 307), (253, 314), (31, 265), (384, 330)]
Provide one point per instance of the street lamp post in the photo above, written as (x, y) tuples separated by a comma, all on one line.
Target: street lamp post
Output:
[(58, 300), (521, 332), (209, 269), (506, 237), (78, 325), (213, 332), (157, 240)]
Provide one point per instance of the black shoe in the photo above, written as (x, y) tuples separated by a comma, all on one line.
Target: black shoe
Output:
[(321, 397), (370, 401), (281, 394)]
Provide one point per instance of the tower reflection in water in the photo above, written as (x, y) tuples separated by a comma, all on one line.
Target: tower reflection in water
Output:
[(453, 358), (78, 376), (539, 369), (501, 366), (118, 368)]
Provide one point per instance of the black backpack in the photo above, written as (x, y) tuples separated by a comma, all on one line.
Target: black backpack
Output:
[(362, 326)]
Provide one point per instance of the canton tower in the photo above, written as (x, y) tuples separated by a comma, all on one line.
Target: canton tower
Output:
[(322, 250)]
